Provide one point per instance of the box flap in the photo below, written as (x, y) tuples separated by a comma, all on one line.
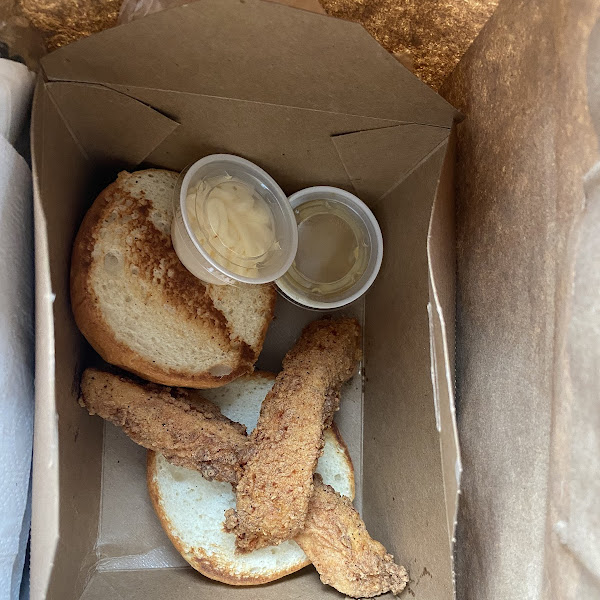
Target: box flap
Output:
[(112, 129), (254, 130), (403, 490), (88, 124), (312, 59), (61, 176), (405, 146)]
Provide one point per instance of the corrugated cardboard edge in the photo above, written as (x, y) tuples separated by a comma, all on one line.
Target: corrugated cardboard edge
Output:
[(45, 512), (441, 255)]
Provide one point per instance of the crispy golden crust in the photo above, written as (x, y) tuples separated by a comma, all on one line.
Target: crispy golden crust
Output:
[(274, 491), (182, 291), (197, 557), (140, 409), (188, 430), (345, 555)]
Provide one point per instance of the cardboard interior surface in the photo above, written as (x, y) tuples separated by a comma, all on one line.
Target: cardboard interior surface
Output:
[(284, 89)]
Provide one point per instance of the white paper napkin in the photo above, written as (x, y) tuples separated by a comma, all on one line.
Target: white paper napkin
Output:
[(16, 330), (16, 85)]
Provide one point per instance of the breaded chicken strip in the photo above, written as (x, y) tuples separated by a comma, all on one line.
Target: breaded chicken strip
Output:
[(187, 429), (273, 494), (347, 558), (191, 432)]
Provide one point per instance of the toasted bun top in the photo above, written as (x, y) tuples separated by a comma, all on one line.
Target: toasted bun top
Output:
[(141, 309)]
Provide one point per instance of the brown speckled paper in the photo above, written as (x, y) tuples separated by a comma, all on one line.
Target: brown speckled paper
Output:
[(432, 34), (64, 21), (527, 336)]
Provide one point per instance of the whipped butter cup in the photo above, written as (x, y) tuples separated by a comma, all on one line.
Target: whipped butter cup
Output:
[(232, 222)]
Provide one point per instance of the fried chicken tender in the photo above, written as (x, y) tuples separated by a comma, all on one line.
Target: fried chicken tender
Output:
[(336, 541), (187, 429), (191, 432), (273, 494)]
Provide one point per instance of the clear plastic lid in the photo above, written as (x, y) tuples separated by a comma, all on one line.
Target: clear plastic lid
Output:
[(338, 260), (238, 219)]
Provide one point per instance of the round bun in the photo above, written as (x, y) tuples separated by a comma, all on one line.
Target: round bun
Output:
[(142, 310), (191, 509)]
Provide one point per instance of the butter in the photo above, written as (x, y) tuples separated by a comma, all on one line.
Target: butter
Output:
[(232, 222)]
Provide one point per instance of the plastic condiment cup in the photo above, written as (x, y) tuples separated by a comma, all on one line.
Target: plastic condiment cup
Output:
[(373, 243), (197, 259)]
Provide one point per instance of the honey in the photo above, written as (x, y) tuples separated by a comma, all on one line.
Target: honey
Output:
[(333, 251)]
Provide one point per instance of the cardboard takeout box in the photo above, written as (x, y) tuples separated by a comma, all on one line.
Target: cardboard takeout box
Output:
[(314, 101)]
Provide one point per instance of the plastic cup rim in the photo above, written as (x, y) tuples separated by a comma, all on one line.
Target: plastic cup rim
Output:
[(364, 211), (275, 189)]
